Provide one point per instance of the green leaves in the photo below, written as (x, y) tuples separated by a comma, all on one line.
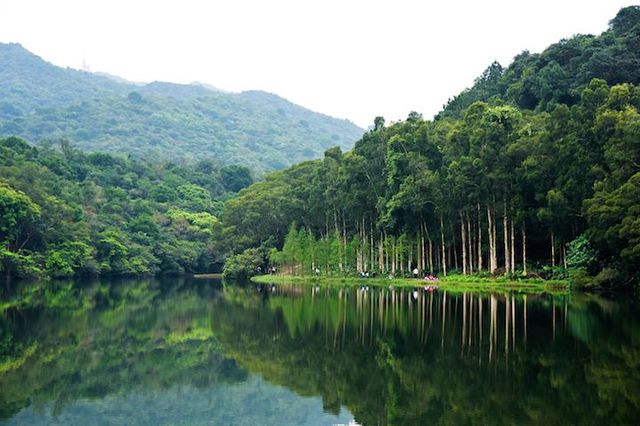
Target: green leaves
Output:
[(100, 214)]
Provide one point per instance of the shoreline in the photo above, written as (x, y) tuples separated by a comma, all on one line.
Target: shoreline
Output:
[(453, 283)]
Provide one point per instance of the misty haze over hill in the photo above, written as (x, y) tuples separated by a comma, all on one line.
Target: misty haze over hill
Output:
[(100, 112)]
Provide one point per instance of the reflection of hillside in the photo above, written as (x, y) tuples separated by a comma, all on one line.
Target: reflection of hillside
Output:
[(395, 358), (136, 335)]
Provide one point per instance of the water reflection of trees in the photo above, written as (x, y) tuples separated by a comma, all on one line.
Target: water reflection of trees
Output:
[(410, 356), (110, 338)]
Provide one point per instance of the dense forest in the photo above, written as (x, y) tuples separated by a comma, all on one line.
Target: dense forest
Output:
[(166, 121), (64, 212), (550, 187), (493, 186)]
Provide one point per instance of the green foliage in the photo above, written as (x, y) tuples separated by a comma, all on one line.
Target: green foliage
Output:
[(558, 74), (581, 253), (67, 258), (244, 265), (21, 264), (160, 120), (67, 213), (235, 178), (17, 213)]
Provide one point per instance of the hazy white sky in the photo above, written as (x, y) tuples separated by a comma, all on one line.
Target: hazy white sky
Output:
[(349, 59)]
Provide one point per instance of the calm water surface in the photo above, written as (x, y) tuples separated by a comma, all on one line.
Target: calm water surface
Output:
[(195, 352)]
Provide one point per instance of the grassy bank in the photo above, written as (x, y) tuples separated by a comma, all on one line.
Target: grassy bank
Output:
[(452, 283)]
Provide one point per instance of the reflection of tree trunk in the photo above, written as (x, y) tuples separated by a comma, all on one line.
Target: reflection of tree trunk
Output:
[(337, 326), (525, 318), (505, 227), (513, 323), (371, 306), (444, 312), (464, 318), (470, 333), (430, 309), (492, 324), (553, 318), (507, 330), (480, 322)]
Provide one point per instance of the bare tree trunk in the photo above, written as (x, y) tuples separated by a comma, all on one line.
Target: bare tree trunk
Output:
[(430, 256), (444, 259), (455, 248), (372, 246), (513, 247), (479, 240), (505, 225), (524, 249), (564, 256), (491, 233), (385, 251), (423, 251), (553, 251), (463, 242), (344, 239), (338, 237), (381, 254), (470, 244), (494, 238), (409, 255), (394, 258), (359, 248)]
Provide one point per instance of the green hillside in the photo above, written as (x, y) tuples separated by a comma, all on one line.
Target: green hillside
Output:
[(159, 120), (557, 75)]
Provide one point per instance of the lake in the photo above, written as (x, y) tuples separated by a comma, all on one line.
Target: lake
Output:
[(187, 351)]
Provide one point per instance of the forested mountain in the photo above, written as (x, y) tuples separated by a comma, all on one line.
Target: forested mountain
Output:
[(40, 101), (498, 187), (64, 212), (540, 81)]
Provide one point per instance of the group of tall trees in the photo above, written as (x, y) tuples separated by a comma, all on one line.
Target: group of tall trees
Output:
[(535, 166), (500, 190), (65, 213)]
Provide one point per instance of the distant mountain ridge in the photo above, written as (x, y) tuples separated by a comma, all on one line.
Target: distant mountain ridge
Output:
[(100, 112)]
